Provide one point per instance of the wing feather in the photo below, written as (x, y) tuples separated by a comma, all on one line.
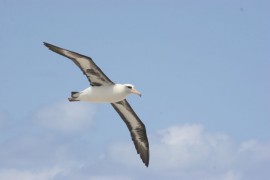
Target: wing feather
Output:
[(136, 128), (93, 73)]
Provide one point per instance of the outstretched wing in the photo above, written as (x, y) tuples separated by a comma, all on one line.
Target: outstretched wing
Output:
[(136, 128), (93, 73)]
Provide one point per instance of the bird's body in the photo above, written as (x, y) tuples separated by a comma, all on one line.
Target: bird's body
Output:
[(102, 94), (103, 90)]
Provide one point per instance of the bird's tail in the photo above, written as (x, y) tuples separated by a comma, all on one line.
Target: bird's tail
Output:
[(74, 96)]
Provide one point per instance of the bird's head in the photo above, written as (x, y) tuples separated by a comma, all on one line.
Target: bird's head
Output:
[(131, 89)]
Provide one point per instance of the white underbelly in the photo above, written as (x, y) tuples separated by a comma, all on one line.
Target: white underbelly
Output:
[(103, 94)]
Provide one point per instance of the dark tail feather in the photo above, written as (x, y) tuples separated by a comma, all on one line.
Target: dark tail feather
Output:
[(74, 96), (72, 99)]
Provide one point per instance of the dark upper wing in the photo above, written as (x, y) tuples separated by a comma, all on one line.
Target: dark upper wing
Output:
[(93, 73), (136, 128)]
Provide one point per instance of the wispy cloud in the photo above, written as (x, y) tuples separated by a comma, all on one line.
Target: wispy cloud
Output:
[(109, 178), (186, 151), (45, 174), (65, 116), (189, 151)]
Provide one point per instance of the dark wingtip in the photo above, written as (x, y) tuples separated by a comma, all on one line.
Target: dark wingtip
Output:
[(145, 158), (52, 47), (146, 163), (47, 44)]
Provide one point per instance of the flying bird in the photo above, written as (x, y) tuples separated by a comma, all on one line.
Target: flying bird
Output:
[(102, 89)]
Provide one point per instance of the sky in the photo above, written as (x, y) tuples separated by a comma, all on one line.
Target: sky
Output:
[(202, 67)]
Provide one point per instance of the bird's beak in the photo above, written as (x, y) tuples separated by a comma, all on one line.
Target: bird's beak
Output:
[(134, 91)]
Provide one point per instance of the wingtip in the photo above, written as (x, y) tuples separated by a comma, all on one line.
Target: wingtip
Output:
[(145, 159), (146, 164), (46, 44), (51, 47)]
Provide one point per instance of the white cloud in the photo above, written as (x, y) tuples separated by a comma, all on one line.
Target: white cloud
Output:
[(177, 152), (190, 145), (179, 147), (66, 116), (254, 150), (47, 174), (109, 178), (230, 175), (190, 152)]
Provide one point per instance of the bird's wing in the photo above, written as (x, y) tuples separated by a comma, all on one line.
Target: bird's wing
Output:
[(136, 128), (93, 73)]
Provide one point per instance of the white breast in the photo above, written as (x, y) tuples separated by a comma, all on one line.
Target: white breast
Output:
[(108, 93)]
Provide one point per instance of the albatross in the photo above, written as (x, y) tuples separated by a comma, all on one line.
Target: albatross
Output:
[(103, 90)]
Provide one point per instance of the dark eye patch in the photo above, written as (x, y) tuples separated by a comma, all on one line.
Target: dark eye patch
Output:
[(129, 87)]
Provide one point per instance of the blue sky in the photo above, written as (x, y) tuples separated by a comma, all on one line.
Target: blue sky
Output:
[(202, 67)]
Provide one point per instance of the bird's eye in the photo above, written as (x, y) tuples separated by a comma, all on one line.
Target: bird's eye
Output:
[(129, 87)]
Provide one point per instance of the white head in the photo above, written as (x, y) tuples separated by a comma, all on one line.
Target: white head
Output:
[(131, 89)]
